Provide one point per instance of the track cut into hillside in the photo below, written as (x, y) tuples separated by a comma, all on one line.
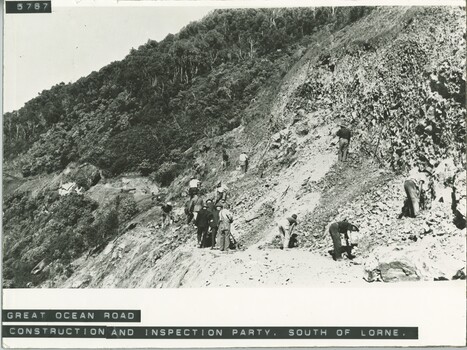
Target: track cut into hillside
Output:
[(294, 169)]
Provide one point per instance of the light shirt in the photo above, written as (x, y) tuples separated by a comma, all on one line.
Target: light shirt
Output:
[(224, 218), (284, 223), (194, 183), (243, 157)]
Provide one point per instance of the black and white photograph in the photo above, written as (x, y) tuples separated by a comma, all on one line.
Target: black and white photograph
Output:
[(234, 147)]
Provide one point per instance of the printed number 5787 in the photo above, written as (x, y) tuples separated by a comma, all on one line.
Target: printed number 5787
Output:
[(20, 6)]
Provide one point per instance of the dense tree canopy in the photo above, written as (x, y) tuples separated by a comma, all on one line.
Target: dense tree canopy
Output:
[(164, 95)]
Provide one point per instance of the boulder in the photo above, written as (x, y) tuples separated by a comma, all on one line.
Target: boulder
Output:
[(421, 260), (392, 264)]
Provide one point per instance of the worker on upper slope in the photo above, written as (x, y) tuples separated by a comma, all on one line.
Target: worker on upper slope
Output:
[(344, 135), (243, 162), (221, 192), (193, 186), (167, 214), (225, 159)]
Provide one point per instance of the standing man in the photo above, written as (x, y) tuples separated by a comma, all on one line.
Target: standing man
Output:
[(225, 159), (210, 205), (197, 204), (286, 226), (193, 186), (202, 223), (244, 162), (344, 135), (167, 215), (214, 223), (221, 192), (225, 221), (413, 187), (335, 230), (189, 206)]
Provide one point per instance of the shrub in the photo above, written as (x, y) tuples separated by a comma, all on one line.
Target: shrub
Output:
[(166, 173), (48, 227), (145, 167), (127, 208)]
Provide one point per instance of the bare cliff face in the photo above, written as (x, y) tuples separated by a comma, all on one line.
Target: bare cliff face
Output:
[(397, 78)]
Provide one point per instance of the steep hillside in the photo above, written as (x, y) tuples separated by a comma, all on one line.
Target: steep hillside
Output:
[(396, 76), (150, 107)]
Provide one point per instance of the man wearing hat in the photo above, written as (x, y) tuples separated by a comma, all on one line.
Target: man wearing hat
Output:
[(344, 135), (225, 221), (214, 223), (286, 226), (202, 223)]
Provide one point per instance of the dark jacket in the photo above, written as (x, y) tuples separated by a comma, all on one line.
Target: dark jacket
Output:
[(203, 218), (215, 218), (345, 226), (211, 206), (344, 133)]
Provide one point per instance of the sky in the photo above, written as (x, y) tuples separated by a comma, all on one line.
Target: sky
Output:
[(41, 50)]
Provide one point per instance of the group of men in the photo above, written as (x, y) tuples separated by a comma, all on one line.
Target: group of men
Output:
[(213, 218), (210, 216)]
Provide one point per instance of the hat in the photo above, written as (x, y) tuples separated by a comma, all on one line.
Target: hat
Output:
[(218, 205), (294, 216), (208, 200), (169, 203)]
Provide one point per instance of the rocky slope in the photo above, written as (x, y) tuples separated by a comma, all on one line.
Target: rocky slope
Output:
[(397, 77)]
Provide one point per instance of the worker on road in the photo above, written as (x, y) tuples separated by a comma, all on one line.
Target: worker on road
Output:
[(225, 222), (286, 227), (202, 223), (336, 229), (214, 223), (413, 187), (197, 204)]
